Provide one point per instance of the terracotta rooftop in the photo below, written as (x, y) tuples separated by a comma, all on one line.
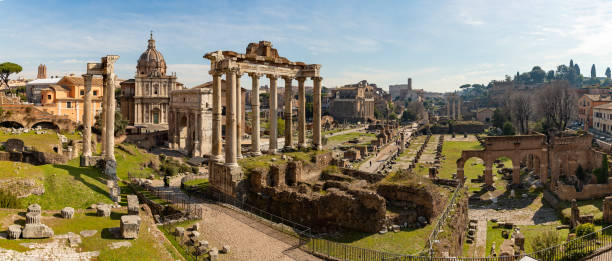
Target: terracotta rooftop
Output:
[(607, 106)]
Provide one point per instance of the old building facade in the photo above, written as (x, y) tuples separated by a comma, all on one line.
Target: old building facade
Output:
[(145, 100), (586, 103), (66, 98), (190, 121), (353, 102)]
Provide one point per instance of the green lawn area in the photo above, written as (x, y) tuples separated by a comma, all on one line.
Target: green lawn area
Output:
[(70, 184), (146, 247), (339, 139), (530, 231), (403, 242), (133, 160), (41, 142), (451, 151), (586, 207)]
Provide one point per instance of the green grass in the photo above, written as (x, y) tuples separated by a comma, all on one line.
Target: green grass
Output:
[(586, 207), (133, 160), (529, 231), (338, 139), (144, 248), (451, 151), (41, 142), (174, 241), (403, 242)]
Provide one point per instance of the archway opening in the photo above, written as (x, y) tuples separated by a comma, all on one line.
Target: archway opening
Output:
[(473, 170), (46, 125), (11, 124)]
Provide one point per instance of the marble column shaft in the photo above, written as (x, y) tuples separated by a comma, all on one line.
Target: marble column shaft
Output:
[(216, 118), (316, 124), (103, 121), (109, 83), (230, 118), (301, 113), (255, 148), (239, 123), (272, 126), (288, 110), (87, 116)]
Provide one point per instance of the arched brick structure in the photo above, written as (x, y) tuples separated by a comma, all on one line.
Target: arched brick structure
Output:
[(28, 116), (516, 148)]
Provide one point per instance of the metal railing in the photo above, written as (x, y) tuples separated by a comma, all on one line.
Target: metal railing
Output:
[(440, 222)]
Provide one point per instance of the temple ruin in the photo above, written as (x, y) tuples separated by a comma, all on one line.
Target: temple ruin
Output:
[(106, 69), (453, 106), (259, 59)]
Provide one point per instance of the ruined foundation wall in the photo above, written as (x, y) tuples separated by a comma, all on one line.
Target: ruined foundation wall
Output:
[(451, 239), (429, 203)]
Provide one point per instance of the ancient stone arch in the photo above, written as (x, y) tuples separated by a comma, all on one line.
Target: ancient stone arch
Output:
[(516, 148)]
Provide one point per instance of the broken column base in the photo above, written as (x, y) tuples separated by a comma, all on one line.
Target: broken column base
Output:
[(110, 169), (37, 231), (130, 225), (88, 161)]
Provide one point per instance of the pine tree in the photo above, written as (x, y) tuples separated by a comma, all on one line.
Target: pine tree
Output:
[(608, 73), (593, 72), (571, 63), (577, 69)]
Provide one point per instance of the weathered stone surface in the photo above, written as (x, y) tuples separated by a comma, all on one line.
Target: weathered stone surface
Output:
[(195, 234), (179, 231), (74, 240), (14, 231), (204, 244), (88, 233), (133, 205), (35, 208), (213, 254), (506, 248), (33, 218), (67, 212), (196, 227), (519, 241), (607, 210), (36, 231), (130, 225), (103, 210)]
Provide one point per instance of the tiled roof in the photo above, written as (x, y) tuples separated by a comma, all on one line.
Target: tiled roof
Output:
[(79, 81), (607, 106), (599, 97)]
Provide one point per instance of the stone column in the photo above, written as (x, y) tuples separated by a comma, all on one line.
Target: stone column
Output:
[(460, 175), (255, 121), (104, 107), (448, 107), (288, 117), (516, 173), (230, 118), (109, 83), (216, 118), (488, 174), (87, 117), (316, 122), (239, 123), (301, 113), (458, 108), (197, 137), (272, 128)]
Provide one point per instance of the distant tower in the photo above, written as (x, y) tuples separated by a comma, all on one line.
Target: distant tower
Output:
[(42, 72), (410, 84)]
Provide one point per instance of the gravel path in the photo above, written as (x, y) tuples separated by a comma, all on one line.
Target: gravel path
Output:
[(248, 239), (380, 158)]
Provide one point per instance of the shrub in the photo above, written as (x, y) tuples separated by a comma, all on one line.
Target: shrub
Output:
[(585, 229), (508, 129), (545, 240), (183, 168), (602, 174), (195, 170), (8, 200), (170, 170), (331, 169), (162, 157)]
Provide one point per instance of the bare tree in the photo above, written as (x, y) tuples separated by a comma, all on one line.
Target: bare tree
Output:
[(521, 107), (557, 104)]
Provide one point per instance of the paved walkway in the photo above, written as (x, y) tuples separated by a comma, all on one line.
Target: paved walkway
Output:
[(379, 159), (249, 239)]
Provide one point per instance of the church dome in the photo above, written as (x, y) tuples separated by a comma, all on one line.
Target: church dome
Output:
[(151, 62)]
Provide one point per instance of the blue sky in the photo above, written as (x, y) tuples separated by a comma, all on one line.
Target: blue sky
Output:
[(440, 44)]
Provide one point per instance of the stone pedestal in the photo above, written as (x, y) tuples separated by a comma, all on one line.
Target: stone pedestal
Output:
[(34, 208), (36, 231), (88, 161), (33, 218), (607, 210), (133, 206), (130, 225), (224, 178), (103, 210), (110, 169), (14, 232), (68, 212)]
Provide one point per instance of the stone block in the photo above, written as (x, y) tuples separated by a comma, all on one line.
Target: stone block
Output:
[(103, 210), (195, 234), (519, 241), (179, 231), (213, 254), (203, 243), (36, 231), (34, 208), (607, 210), (130, 225), (67, 212), (14, 231), (133, 206), (225, 249), (196, 227), (506, 248), (33, 218)]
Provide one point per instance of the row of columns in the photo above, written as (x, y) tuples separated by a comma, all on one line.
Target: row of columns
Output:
[(234, 124), (108, 112), (453, 107)]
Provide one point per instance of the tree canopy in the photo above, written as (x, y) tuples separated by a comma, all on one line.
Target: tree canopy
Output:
[(593, 71), (608, 73), (7, 69)]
